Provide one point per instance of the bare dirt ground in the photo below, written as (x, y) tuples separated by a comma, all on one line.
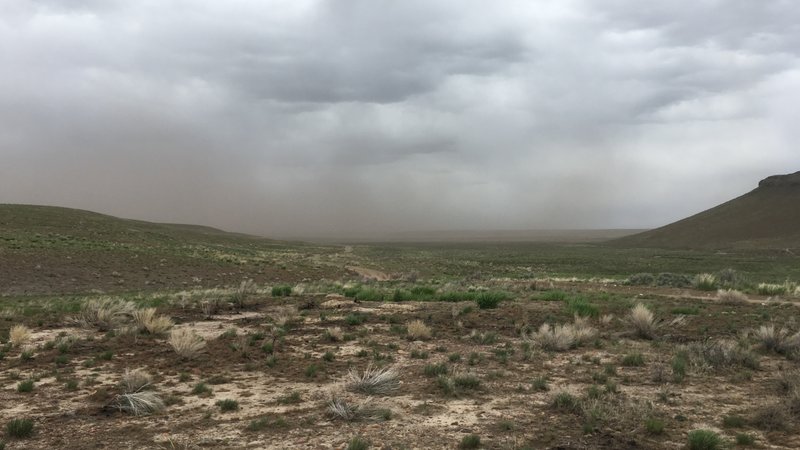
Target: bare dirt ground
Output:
[(283, 389)]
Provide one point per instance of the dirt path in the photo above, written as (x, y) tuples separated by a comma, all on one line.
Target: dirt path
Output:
[(372, 274)]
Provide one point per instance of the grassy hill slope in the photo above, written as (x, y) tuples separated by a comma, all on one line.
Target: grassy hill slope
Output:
[(46, 249), (767, 217)]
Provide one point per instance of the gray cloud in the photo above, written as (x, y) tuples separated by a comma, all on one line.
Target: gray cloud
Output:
[(312, 117)]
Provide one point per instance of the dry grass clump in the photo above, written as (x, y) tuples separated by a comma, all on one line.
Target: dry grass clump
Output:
[(705, 282), (135, 380), (771, 417), (339, 408), (775, 289), (616, 411), (583, 330), (146, 319), (243, 292), (560, 338), (417, 330), (556, 338), (643, 322), (138, 403), (778, 340), (19, 335), (731, 296), (186, 343), (719, 354), (285, 315), (771, 338), (105, 313), (373, 381), (334, 334)]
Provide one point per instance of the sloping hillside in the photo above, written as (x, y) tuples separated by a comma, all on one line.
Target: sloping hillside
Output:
[(767, 217), (46, 249)]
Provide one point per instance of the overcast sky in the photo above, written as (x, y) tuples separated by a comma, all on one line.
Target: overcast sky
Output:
[(302, 118)]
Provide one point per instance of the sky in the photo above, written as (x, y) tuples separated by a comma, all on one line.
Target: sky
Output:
[(298, 118)]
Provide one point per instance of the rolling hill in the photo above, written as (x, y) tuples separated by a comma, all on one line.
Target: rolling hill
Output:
[(767, 217), (46, 249)]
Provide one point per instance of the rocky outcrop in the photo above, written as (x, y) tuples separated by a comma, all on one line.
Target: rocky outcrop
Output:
[(781, 180)]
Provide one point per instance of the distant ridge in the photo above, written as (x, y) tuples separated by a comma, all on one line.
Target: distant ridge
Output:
[(766, 217)]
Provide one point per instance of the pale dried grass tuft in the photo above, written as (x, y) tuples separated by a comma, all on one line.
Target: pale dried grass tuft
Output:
[(373, 381), (417, 330), (186, 343), (18, 335), (334, 334), (643, 322), (105, 313), (146, 319), (135, 380), (139, 403), (731, 296)]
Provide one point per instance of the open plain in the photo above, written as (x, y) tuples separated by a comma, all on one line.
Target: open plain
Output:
[(128, 334)]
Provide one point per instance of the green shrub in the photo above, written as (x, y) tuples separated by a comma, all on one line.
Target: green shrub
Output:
[(470, 441), (355, 319), (679, 365), (540, 384), (417, 354), (745, 439), (565, 401), (553, 296), (25, 386), (466, 381), (423, 292), (490, 300), (580, 306), (673, 280), (281, 290), (351, 291), (704, 440), (201, 389), (358, 443), (685, 310), (290, 399), (369, 295), (633, 360), (19, 428), (728, 277), (654, 426), (733, 421), (400, 295), (457, 296), (772, 289), (641, 279), (227, 405), (705, 282), (433, 370), (311, 371)]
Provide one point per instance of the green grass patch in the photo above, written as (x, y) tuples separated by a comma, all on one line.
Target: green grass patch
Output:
[(580, 305), (704, 440)]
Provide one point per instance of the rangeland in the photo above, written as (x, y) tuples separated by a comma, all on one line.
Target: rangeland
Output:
[(127, 334)]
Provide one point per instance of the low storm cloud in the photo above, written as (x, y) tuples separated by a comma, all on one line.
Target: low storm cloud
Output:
[(339, 118)]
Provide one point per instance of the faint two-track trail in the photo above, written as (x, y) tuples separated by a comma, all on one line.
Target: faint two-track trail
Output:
[(371, 274)]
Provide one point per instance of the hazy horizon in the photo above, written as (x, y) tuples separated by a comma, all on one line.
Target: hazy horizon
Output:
[(353, 118)]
